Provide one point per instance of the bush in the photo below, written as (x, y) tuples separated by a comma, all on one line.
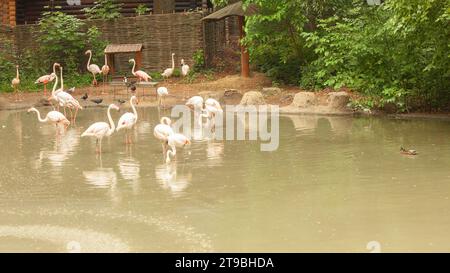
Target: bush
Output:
[(104, 9)]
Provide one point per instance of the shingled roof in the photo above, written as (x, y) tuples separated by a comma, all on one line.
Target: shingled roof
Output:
[(123, 48), (235, 9)]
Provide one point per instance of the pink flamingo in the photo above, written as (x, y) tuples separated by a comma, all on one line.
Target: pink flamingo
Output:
[(141, 75), (99, 130), (105, 71), (162, 132), (93, 68), (47, 78)]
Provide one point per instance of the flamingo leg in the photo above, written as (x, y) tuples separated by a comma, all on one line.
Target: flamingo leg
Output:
[(97, 151), (45, 89)]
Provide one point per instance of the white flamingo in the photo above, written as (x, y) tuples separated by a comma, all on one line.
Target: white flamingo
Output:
[(93, 68), (52, 117), (184, 68), (162, 132), (195, 101), (128, 120), (141, 75), (15, 83), (169, 71), (212, 108), (99, 130), (162, 92), (174, 141), (47, 78), (64, 99)]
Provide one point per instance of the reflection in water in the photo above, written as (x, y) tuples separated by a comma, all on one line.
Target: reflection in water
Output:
[(129, 170), (215, 151), (168, 178), (64, 146), (101, 178)]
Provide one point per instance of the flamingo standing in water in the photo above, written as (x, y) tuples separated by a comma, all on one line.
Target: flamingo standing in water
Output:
[(52, 117), (93, 68), (105, 71), (99, 130), (212, 108), (162, 92), (174, 141), (169, 71), (47, 78), (162, 132), (128, 120), (15, 83)]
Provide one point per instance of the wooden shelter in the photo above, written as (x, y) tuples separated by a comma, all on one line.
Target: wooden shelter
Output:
[(113, 49), (237, 9)]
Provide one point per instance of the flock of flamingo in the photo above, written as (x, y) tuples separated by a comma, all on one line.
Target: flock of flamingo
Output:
[(169, 139)]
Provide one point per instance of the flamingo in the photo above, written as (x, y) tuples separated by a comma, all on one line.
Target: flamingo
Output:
[(128, 120), (99, 130), (105, 71), (195, 101), (52, 117), (184, 68), (212, 108), (47, 78), (64, 99), (169, 71), (162, 93), (93, 68), (174, 141), (184, 72), (141, 75), (162, 131), (15, 83)]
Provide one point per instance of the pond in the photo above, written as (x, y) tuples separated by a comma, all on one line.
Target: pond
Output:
[(334, 184)]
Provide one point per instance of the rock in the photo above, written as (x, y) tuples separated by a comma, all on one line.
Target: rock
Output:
[(217, 95), (271, 91), (287, 98), (232, 93), (304, 99), (253, 98), (338, 100)]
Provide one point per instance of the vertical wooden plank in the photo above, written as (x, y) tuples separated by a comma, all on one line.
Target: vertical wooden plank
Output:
[(12, 12), (138, 59), (245, 57)]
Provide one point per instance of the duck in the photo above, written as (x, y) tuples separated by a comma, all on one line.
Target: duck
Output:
[(97, 101), (407, 152), (85, 96)]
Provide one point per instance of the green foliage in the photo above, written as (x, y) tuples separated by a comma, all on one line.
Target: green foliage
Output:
[(220, 3), (396, 53), (104, 9), (142, 9), (199, 60)]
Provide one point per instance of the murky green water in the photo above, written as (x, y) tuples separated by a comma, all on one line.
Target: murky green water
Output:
[(334, 184)]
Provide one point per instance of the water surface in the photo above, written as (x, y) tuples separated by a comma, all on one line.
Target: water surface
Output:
[(334, 184)]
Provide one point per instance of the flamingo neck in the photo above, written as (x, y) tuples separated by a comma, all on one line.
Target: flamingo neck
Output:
[(17, 72), (111, 122), (54, 68), (173, 62), (55, 85), (62, 80), (134, 66), (89, 61), (39, 115), (106, 60), (134, 108)]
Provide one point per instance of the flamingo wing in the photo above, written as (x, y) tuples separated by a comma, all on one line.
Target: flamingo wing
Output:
[(98, 129), (162, 132), (142, 75), (56, 116), (93, 68), (127, 121), (185, 70)]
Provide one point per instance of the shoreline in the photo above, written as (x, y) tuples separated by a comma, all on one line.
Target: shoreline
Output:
[(179, 92)]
